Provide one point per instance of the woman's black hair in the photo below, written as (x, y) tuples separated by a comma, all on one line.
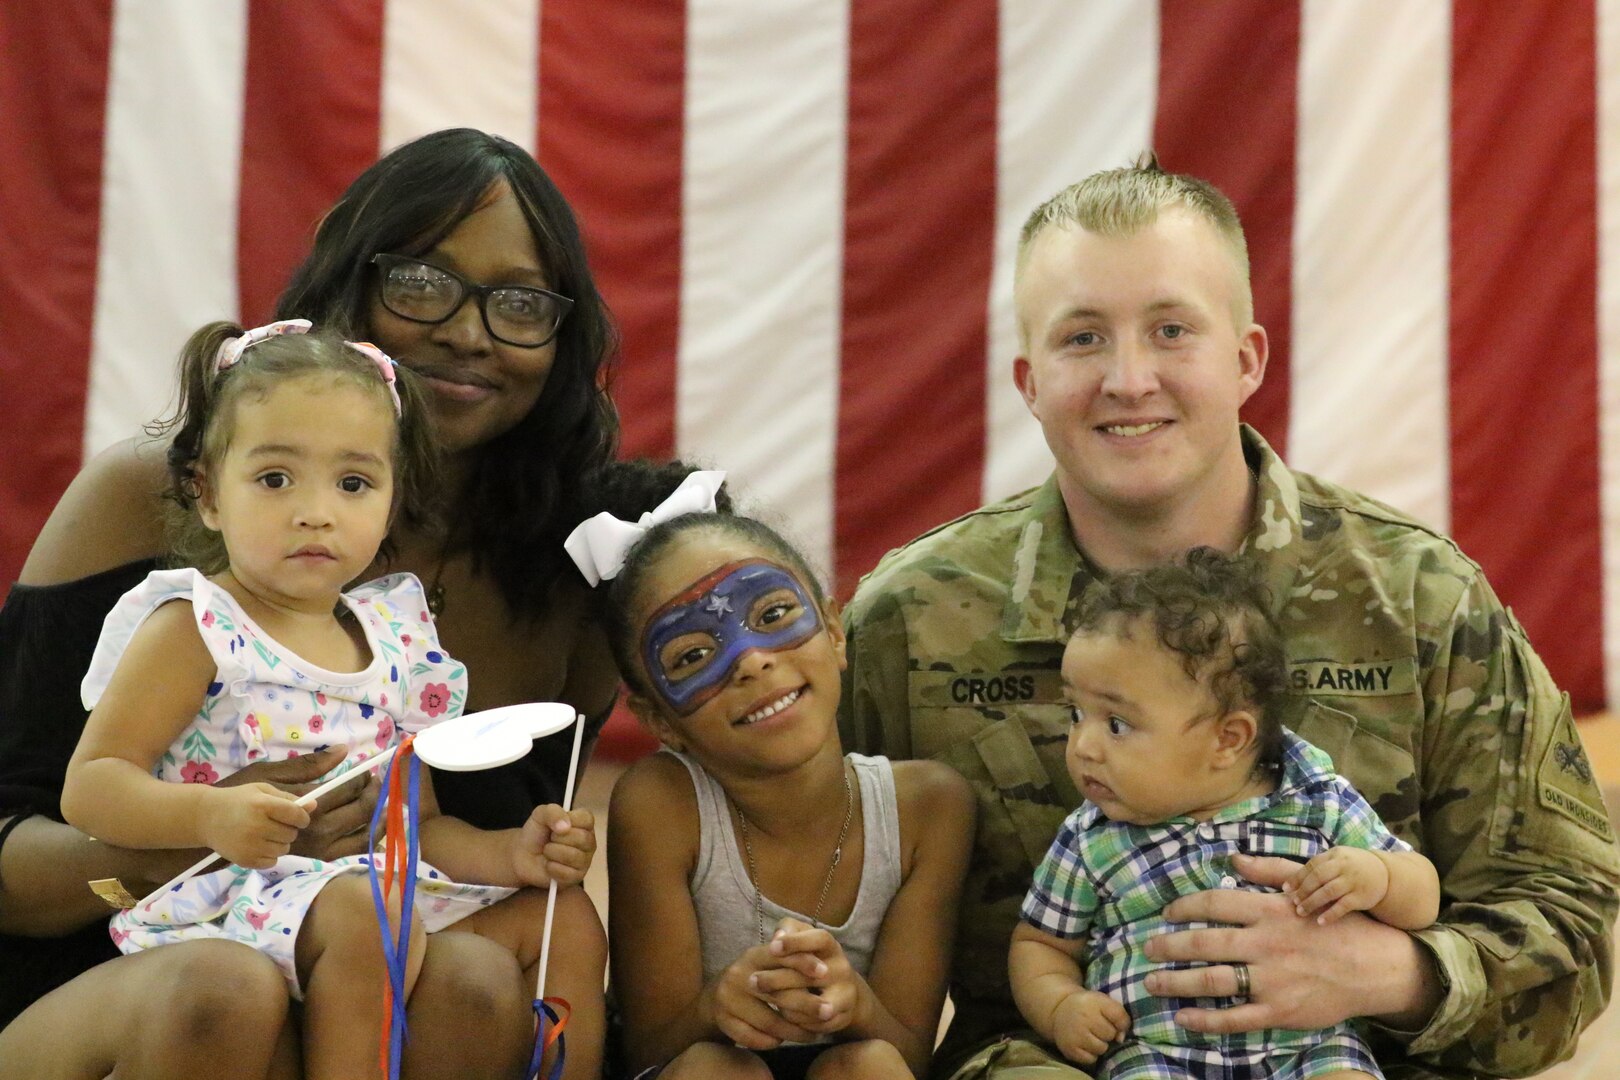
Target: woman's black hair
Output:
[(1212, 612), (524, 490), (627, 490)]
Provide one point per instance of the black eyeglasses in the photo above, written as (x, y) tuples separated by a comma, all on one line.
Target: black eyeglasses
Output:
[(515, 314)]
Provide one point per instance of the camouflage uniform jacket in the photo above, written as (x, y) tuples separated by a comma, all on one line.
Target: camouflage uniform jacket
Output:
[(1405, 668)]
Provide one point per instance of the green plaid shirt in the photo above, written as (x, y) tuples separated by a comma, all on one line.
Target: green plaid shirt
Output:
[(1110, 881)]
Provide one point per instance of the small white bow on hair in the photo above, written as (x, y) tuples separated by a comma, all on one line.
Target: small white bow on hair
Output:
[(599, 544), (231, 349)]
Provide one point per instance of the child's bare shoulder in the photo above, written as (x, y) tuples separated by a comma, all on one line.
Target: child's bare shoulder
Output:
[(931, 786), (936, 805), (656, 786), (653, 819), (170, 632)]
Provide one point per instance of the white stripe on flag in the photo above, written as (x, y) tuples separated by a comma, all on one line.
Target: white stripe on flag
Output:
[(1369, 372), (1608, 77), (762, 252), (460, 65), (1078, 87), (167, 260)]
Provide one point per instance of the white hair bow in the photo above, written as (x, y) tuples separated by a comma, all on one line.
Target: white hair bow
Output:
[(231, 349), (598, 545)]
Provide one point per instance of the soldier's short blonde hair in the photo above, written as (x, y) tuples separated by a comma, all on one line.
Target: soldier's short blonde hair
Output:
[(1119, 202)]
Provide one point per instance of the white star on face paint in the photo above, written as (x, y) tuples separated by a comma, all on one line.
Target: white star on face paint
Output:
[(718, 605)]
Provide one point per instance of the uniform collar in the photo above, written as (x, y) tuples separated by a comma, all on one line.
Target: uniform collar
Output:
[(1303, 766), (1274, 536), (1049, 572), (1047, 569)]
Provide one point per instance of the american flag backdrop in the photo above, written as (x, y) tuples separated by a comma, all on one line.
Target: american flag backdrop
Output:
[(803, 213)]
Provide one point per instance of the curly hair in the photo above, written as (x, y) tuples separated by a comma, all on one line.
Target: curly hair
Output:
[(203, 422), (1214, 615), (523, 493)]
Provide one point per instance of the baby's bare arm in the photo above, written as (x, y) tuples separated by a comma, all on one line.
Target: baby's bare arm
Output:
[(1046, 983)]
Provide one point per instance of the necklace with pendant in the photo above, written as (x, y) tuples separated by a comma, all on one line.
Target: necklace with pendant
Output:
[(832, 867)]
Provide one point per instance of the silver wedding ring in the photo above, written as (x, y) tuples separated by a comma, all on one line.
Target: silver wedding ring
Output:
[(1242, 973)]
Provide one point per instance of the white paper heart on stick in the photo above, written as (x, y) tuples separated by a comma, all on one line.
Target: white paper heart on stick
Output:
[(494, 737)]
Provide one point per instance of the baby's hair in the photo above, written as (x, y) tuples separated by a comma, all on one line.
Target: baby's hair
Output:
[(203, 423), (1213, 613), (637, 487)]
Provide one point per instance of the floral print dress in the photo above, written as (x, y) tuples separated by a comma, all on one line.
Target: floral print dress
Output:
[(268, 704)]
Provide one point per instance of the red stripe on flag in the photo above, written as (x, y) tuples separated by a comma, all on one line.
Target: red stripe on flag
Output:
[(612, 102), (53, 101), (919, 236), (1228, 77), (311, 122), (1524, 489), (612, 80)]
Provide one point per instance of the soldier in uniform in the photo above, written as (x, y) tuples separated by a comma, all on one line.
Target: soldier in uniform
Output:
[(1138, 348)]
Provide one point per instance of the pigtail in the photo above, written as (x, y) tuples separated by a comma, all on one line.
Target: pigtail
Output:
[(190, 542), (189, 421)]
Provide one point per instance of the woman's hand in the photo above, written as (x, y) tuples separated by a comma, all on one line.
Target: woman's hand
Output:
[(340, 822), (554, 845), (810, 982)]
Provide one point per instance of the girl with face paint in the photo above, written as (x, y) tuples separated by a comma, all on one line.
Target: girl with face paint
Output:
[(778, 908)]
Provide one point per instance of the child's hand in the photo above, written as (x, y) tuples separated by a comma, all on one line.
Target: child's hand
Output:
[(554, 845), (1085, 1023), (252, 825), (740, 1013), (338, 824), (811, 984), (1340, 880)]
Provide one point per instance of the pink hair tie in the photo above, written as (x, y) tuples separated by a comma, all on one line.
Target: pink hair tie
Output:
[(384, 365), (231, 349)]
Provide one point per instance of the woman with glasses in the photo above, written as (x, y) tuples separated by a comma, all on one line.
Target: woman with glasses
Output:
[(456, 255)]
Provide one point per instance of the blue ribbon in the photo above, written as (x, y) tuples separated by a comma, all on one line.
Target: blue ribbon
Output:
[(396, 954), (542, 1012)]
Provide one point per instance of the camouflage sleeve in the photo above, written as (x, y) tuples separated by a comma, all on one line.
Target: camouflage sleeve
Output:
[(874, 715), (1514, 822)]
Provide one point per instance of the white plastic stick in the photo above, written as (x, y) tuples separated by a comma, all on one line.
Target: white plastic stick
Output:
[(304, 800), (551, 893)]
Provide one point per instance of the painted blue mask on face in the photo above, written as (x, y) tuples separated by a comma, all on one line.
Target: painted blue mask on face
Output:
[(693, 643)]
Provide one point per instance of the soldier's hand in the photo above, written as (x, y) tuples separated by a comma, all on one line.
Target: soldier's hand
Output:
[(1302, 975)]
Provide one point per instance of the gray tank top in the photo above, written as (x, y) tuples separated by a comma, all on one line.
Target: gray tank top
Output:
[(724, 896)]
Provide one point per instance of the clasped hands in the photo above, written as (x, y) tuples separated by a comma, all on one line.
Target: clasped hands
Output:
[(794, 988)]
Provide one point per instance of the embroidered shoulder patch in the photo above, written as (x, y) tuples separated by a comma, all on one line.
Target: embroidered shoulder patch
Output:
[(1566, 784)]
